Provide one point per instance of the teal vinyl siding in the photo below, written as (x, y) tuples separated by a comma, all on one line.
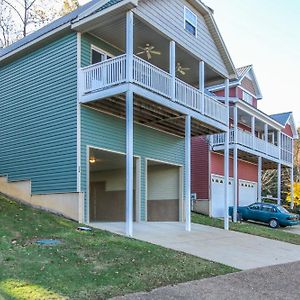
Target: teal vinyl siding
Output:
[(38, 117), (105, 131), (87, 40)]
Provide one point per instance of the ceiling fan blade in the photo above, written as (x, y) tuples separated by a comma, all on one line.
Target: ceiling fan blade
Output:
[(156, 52), (185, 69), (182, 72), (150, 48), (140, 53), (149, 55), (142, 48)]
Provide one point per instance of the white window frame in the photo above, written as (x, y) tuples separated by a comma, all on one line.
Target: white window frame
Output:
[(101, 51), (248, 98), (186, 19)]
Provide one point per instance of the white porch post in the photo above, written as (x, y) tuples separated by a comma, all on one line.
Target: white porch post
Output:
[(259, 170), (129, 163), (279, 183), (129, 46), (226, 159), (253, 130), (172, 66), (266, 133), (279, 143), (202, 84), (292, 187), (187, 173), (235, 162)]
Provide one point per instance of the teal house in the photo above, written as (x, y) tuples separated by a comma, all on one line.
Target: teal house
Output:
[(98, 109)]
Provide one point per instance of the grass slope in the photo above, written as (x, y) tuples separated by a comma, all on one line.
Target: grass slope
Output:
[(87, 265), (250, 228)]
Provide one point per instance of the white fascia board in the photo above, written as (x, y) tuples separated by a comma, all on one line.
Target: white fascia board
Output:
[(291, 120), (251, 110), (82, 21), (36, 41)]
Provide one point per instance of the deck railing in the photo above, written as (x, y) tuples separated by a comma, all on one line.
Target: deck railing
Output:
[(151, 77), (104, 74), (247, 140), (113, 72)]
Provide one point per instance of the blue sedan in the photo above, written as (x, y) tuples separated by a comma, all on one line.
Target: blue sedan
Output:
[(274, 215)]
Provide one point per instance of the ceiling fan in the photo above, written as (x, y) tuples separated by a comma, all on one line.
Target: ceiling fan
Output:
[(181, 69), (149, 51)]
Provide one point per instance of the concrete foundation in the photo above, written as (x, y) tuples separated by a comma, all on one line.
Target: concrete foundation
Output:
[(67, 204)]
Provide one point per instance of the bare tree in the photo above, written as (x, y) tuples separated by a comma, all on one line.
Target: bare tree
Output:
[(18, 18)]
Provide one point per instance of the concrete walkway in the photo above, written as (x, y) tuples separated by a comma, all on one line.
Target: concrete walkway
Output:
[(293, 229), (239, 250), (276, 283)]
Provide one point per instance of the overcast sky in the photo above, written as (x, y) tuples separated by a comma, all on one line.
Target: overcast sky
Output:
[(264, 33)]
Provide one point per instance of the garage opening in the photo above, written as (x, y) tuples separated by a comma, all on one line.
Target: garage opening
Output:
[(107, 179), (163, 192)]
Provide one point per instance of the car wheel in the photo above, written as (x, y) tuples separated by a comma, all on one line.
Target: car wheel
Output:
[(273, 223)]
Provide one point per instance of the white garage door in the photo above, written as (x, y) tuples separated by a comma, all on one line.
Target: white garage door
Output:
[(217, 195), (247, 192)]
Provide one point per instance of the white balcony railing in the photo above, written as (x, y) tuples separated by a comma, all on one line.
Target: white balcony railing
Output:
[(113, 72), (151, 77), (104, 74), (247, 140)]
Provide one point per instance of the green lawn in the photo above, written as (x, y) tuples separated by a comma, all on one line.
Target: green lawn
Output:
[(87, 265), (251, 228)]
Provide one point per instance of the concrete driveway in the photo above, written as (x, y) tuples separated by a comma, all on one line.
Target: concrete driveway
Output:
[(239, 250), (274, 283), (293, 229)]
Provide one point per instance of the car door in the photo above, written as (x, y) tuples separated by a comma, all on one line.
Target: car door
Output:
[(267, 213), (253, 211)]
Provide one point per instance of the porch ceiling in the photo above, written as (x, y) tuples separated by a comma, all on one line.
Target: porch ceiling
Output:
[(114, 33), (151, 114)]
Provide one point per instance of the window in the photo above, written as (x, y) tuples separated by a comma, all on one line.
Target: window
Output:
[(98, 55), (190, 21), (255, 207), (267, 208), (247, 97)]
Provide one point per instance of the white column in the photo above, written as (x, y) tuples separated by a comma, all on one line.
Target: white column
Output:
[(266, 133), (187, 180), (292, 187), (259, 170), (235, 162), (129, 163), (202, 84), (226, 159), (129, 46), (172, 65), (253, 130), (279, 143), (279, 184)]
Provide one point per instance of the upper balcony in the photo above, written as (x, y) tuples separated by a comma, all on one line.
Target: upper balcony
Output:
[(134, 54), (112, 72)]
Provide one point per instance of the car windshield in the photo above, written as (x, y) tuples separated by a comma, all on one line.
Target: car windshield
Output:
[(282, 209)]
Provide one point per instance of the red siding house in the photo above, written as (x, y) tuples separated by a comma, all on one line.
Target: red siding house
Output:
[(257, 141)]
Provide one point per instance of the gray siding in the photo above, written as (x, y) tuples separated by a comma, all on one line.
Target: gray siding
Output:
[(38, 117), (168, 17)]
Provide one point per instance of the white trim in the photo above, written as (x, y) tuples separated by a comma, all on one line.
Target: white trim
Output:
[(187, 173), (78, 113), (186, 19), (138, 179), (35, 41), (99, 50), (83, 19)]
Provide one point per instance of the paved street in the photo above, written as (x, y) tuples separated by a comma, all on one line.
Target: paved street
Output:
[(275, 282)]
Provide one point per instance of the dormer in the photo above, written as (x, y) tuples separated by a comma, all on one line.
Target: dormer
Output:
[(245, 87)]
